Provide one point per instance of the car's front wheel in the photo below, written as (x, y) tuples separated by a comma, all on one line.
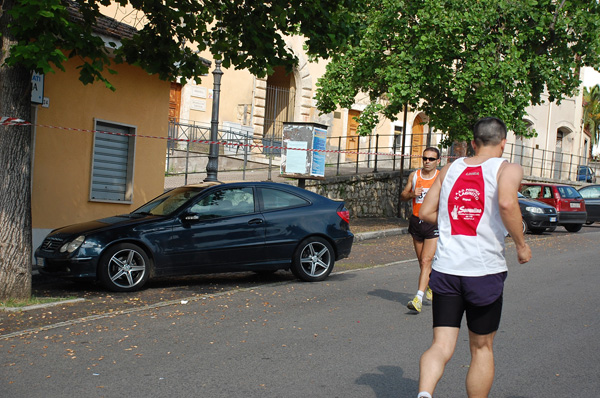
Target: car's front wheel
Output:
[(524, 226), (573, 227), (313, 259), (124, 268)]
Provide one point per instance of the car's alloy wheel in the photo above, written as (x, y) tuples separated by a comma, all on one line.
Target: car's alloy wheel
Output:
[(524, 226), (313, 260), (124, 267)]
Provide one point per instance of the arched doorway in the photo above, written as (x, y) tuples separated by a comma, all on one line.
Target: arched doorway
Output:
[(352, 135), (279, 107), (561, 146)]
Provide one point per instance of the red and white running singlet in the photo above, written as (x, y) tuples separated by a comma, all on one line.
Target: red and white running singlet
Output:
[(472, 233), (425, 183)]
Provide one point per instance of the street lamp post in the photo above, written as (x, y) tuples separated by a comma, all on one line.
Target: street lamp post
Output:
[(213, 155)]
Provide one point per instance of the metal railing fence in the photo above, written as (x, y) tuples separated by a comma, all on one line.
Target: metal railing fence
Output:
[(245, 158)]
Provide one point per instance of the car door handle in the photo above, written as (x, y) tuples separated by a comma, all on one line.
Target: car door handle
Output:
[(255, 221)]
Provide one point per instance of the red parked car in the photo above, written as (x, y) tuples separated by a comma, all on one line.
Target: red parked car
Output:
[(567, 201)]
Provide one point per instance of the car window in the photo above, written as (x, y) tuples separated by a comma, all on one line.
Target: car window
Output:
[(590, 192), (568, 192), (547, 193), (225, 203), (531, 191), (275, 199), (168, 202)]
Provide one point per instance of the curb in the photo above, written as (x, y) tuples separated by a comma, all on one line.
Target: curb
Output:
[(379, 234), (45, 305)]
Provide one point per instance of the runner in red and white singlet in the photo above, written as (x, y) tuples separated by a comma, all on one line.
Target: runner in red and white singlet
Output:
[(474, 202)]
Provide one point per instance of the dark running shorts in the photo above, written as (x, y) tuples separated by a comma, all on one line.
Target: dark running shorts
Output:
[(480, 297), (421, 230)]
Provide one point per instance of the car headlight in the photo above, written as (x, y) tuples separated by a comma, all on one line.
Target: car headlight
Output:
[(73, 245), (532, 209)]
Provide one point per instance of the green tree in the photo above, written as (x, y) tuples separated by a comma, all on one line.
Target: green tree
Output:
[(591, 113), (460, 60), (39, 35)]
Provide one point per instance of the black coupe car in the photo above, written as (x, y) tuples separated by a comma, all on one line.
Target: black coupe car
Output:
[(205, 228)]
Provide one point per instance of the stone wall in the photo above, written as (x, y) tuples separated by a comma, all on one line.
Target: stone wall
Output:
[(366, 195)]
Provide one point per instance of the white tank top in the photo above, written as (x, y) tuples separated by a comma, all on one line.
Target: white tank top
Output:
[(472, 233)]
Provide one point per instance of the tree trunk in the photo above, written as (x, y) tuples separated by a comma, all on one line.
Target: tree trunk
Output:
[(15, 173)]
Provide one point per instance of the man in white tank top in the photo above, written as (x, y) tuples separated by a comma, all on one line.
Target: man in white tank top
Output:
[(474, 202)]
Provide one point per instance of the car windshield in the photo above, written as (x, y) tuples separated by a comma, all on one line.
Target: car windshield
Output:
[(520, 195), (168, 202), (568, 192)]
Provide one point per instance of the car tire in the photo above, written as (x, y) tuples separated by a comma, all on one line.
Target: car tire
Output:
[(124, 267), (313, 260), (573, 227), (524, 226)]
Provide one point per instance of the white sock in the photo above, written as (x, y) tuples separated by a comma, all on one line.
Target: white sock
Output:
[(420, 295), (424, 394)]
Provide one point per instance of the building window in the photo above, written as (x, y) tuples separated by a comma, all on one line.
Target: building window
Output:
[(398, 137), (112, 163)]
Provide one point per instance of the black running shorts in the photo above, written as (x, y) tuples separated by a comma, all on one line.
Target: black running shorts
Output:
[(421, 230), (448, 311)]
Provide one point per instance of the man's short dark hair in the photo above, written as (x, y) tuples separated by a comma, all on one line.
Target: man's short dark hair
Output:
[(489, 131), (432, 149)]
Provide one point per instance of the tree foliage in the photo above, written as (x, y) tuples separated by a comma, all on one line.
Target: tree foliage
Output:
[(244, 34), (460, 60), (591, 112)]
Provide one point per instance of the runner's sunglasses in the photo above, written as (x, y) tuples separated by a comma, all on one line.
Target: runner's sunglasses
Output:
[(425, 158)]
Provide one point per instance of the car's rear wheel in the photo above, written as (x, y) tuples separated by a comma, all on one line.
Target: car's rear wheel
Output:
[(573, 227), (313, 259), (124, 268)]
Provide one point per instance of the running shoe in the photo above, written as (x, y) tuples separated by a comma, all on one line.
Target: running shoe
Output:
[(414, 305), (428, 294)]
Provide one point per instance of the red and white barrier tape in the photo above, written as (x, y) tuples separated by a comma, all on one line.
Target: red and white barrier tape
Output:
[(10, 121)]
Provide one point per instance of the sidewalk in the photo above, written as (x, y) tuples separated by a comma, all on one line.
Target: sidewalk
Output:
[(371, 228)]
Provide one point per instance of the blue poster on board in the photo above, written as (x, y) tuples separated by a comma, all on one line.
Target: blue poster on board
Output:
[(318, 158)]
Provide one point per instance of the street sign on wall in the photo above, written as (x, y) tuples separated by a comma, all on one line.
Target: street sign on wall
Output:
[(37, 88)]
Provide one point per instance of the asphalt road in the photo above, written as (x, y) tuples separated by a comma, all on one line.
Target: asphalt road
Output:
[(350, 336)]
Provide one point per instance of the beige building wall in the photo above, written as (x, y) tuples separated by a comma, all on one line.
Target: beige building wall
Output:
[(62, 158)]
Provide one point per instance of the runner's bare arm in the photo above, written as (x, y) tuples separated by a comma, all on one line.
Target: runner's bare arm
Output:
[(509, 180), (429, 209), (407, 193)]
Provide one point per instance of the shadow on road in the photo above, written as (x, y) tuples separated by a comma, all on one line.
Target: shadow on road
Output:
[(389, 381)]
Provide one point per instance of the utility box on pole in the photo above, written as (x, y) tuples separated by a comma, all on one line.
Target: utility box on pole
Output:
[(301, 157)]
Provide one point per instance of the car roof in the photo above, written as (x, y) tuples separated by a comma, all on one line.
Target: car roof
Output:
[(204, 184), (550, 184)]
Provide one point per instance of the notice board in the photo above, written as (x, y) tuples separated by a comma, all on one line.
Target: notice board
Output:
[(299, 158)]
